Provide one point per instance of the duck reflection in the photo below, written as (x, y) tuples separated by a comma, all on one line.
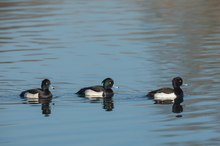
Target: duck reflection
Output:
[(45, 105), (177, 107), (108, 104), (107, 101)]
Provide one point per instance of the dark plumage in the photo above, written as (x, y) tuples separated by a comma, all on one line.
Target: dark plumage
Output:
[(168, 95), (42, 92), (98, 91)]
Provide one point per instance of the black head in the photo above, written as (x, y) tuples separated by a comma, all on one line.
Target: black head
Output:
[(177, 82), (45, 84), (107, 83)]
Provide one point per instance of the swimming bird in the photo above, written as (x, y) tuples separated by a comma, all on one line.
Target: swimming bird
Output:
[(103, 90), (168, 95), (42, 92)]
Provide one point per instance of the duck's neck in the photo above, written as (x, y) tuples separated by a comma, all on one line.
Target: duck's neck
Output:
[(178, 91), (176, 87), (45, 88), (46, 91), (107, 87)]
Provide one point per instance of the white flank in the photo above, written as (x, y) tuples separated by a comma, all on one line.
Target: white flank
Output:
[(164, 96), (29, 95), (91, 93)]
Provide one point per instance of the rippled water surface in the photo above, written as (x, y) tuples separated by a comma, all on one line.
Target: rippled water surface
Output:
[(141, 44)]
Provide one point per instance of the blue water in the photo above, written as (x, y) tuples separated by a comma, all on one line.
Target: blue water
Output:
[(141, 44)]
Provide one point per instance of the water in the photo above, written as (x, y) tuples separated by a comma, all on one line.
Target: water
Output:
[(141, 44)]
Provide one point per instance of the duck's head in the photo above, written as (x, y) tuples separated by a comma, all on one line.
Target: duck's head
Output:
[(45, 84), (177, 82), (107, 83)]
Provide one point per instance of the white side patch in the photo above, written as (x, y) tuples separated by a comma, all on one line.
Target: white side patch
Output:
[(29, 95), (164, 96), (91, 93)]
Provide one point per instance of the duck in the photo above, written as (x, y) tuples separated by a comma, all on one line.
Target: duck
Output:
[(168, 95), (37, 93), (103, 90)]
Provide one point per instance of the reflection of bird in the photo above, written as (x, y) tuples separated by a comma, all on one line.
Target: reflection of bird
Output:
[(168, 95), (108, 103), (177, 107), (42, 92), (98, 91), (45, 106)]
